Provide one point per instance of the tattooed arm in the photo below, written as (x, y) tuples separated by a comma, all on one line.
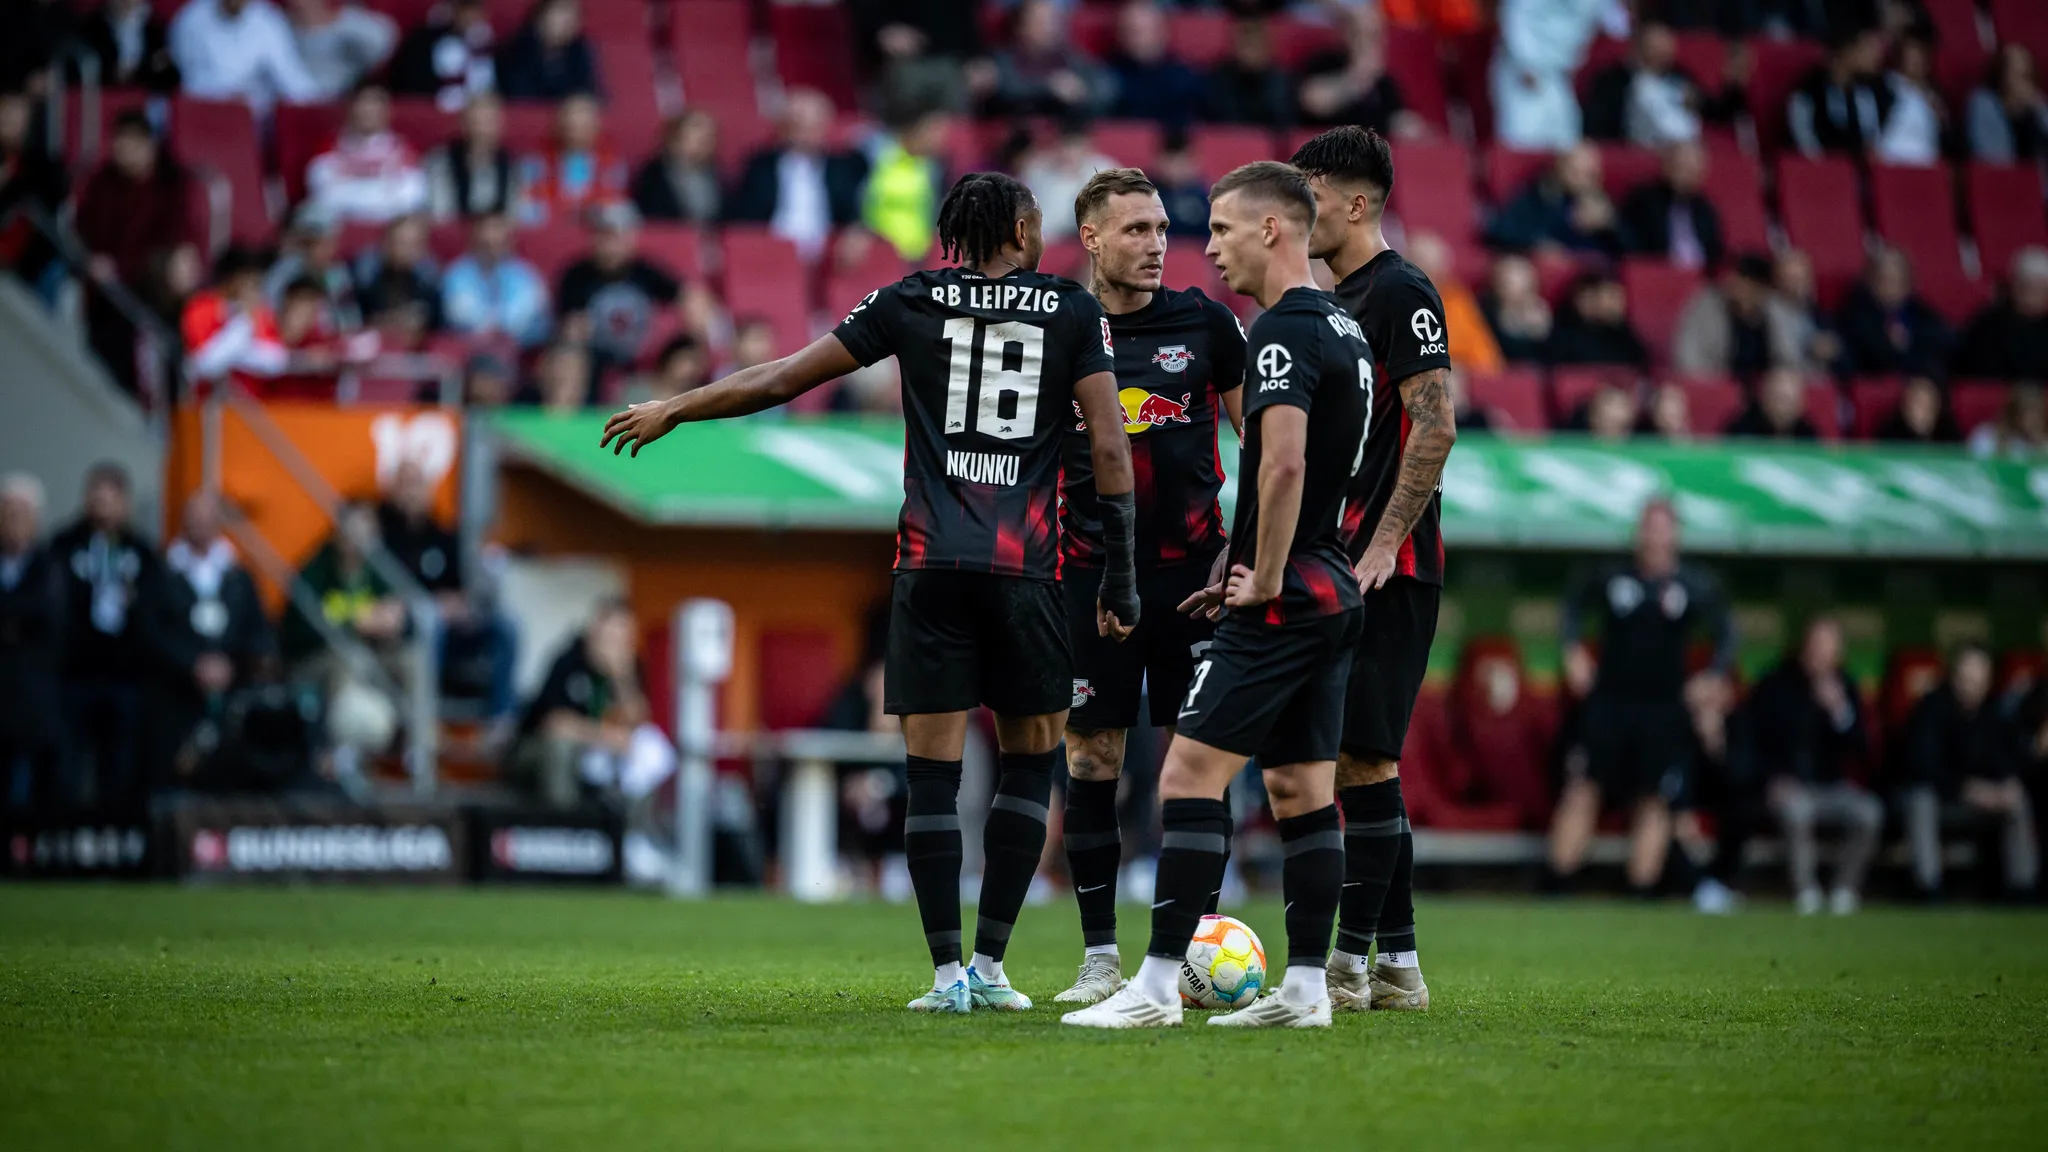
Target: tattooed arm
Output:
[(1432, 429)]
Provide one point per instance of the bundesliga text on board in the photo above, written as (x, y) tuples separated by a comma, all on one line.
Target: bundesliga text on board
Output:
[(341, 848)]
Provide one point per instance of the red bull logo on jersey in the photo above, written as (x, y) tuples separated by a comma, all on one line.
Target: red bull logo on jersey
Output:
[(1174, 358), (1144, 409)]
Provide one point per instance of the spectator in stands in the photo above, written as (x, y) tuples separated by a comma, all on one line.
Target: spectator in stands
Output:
[(1593, 327), (906, 184), (1922, 416), (1150, 83), (1181, 188), (32, 639), (1671, 215), (683, 366), (562, 378), (356, 604), (1565, 208), (241, 50), (1632, 739), (1610, 414), (2008, 114), (680, 182), (491, 293), (576, 172), (140, 202), (166, 288), (549, 58), (36, 29), (1792, 279), (800, 186), (1472, 345), (1248, 87), (582, 730), (1516, 311), (1728, 105), (1807, 727), (1962, 759), (312, 250), (208, 629), (1646, 99), (488, 382), (314, 350), (1467, 416), (1055, 173), (398, 276), (229, 328), (753, 343), (1042, 73), (2021, 430), (473, 174), (470, 631), (1916, 125), (1352, 86), (28, 177), (449, 57), (1542, 43), (1668, 415), (928, 54), (132, 45), (370, 175), (1777, 410), (609, 298), (2008, 339), (341, 46), (109, 569), (1842, 104), (1886, 328), (1738, 326)]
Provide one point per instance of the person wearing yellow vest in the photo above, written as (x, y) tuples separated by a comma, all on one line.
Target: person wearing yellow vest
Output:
[(904, 183)]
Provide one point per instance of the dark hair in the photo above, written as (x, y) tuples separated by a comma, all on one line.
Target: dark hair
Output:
[(980, 215), (1175, 140), (304, 286), (1282, 184), (107, 472), (678, 344), (237, 260), (1110, 182), (1349, 155), (133, 120)]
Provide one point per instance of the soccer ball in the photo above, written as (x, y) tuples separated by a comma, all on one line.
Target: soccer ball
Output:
[(1226, 965)]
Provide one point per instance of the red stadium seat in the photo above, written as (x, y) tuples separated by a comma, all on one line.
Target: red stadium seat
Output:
[(2025, 21), (1824, 407), (408, 14), (1065, 258), (2006, 212), (1872, 401), (1602, 53), (1780, 66), (1735, 186), (1711, 402), (1092, 28), (1819, 202), (1295, 41), (1960, 52), (799, 675), (1572, 387), (113, 102), (1703, 56), (1220, 148), (1186, 267), (1555, 272), (1509, 171), (1199, 39), (221, 135), (1133, 143), (552, 247), (1418, 72), (1433, 190), (1657, 293), (1915, 211), (674, 247), (765, 277), (812, 49), (845, 286), (1515, 396), (614, 21), (301, 132), (1625, 167), (713, 63), (632, 111), (1977, 402)]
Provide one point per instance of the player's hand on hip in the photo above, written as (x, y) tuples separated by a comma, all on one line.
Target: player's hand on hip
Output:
[(1106, 624), (1245, 589), (1375, 568), (1208, 601), (637, 427)]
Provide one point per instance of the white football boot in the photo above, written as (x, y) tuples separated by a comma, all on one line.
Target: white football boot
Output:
[(1277, 1011), (1128, 1008), (1394, 989), (1102, 974), (1349, 991)]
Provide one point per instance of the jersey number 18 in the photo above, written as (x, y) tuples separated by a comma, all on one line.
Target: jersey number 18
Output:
[(998, 387)]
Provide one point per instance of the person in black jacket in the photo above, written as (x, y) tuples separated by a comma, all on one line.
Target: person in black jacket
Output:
[(1248, 87), (550, 58), (477, 644), (207, 633), (1962, 756), (768, 188), (1593, 326), (1671, 217), (1807, 728), (109, 568), (1777, 411), (130, 42), (31, 655), (1886, 328), (1842, 104), (448, 57), (680, 182), (2008, 339)]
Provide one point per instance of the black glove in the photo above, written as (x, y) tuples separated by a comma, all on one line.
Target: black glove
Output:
[(1119, 539)]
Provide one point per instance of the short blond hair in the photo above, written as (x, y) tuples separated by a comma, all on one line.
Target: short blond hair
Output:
[(1095, 194)]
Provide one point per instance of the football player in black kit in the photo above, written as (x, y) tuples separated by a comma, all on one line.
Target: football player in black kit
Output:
[(995, 358), (1179, 358), (1271, 685), (1394, 534)]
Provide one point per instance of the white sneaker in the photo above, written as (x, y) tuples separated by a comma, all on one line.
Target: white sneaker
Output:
[(1713, 898), (1277, 1012), (1101, 976), (1808, 902), (1397, 989), (1130, 1008), (1844, 902)]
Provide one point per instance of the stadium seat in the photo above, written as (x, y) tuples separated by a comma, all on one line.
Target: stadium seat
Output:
[(1572, 387), (2018, 670), (221, 135), (552, 247), (1418, 71), (1433, 190), (1133, 143), (765, 278), (1508, 171), (1296, 40), (301, 132), (1871, 402), (1780, 66), (2025, 21), (1703, 56), (2006, 212), (1220, 148), (1514, 396), (408, 14), (1065, 258), (1198, 39), (1657, 293), (1824, 407), (613, 21), (799, 672), (674, 247), (1960, 52), (1735, 186), (1186, 267), (632, 107), (741, 133), (1506, 754), (712, 54), (1977, 402), (1625, 167), (813, 49), (1555, 272), (1820, 205), (113, 102), (1915, 211), (1711, 402), (845, 286), (1602, 53)]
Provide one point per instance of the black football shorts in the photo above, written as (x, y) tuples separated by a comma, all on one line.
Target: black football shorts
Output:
[(1274, 691), (1388, 667), (1634, 748), (1158, 659), (961, 639)]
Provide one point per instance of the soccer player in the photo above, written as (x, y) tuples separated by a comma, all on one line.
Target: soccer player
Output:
[(995, 357), (1394, 535), (1272, 683), (1179, 355)]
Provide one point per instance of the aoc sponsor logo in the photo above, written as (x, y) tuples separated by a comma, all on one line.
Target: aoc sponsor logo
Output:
[(983, 467), (1429, 330)]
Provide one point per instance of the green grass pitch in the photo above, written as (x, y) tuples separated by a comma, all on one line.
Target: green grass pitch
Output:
[(312, 1019)]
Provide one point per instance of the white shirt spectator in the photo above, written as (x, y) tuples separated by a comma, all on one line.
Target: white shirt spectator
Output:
[(341, 47), (369, 179), (1542, 42), (1055, 176), (1912, 131), (803, 208), (240, 50), (1660, 110)]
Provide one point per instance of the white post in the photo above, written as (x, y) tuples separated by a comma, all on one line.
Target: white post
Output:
[(703, 641), (810, 830)]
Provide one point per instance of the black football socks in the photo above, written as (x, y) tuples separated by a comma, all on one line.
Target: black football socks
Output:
[(1397, 918), (1191, 854), (1311, 879), (1375, 829), (1095, 851), (931, 847), (1012, 841)]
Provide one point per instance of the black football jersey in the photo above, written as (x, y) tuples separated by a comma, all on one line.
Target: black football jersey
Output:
[(1175, 358), (988, 369), (1307, 351), (1403, 319)]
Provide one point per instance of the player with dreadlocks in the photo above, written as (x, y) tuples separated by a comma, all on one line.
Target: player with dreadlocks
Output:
[(994, 357)]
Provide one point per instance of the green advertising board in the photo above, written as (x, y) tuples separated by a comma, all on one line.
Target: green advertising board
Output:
[(1553, 493)]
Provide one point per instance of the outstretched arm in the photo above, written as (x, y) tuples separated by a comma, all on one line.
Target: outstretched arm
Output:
[(1432, 429), (743, 393)]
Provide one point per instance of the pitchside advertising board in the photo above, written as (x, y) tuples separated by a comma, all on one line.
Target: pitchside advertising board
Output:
[(86, 849), (545, 847)]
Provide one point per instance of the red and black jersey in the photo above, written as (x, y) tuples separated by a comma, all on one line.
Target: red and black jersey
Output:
[(1175, 358), (1403, 318), (988, 368), (1306, 351)]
